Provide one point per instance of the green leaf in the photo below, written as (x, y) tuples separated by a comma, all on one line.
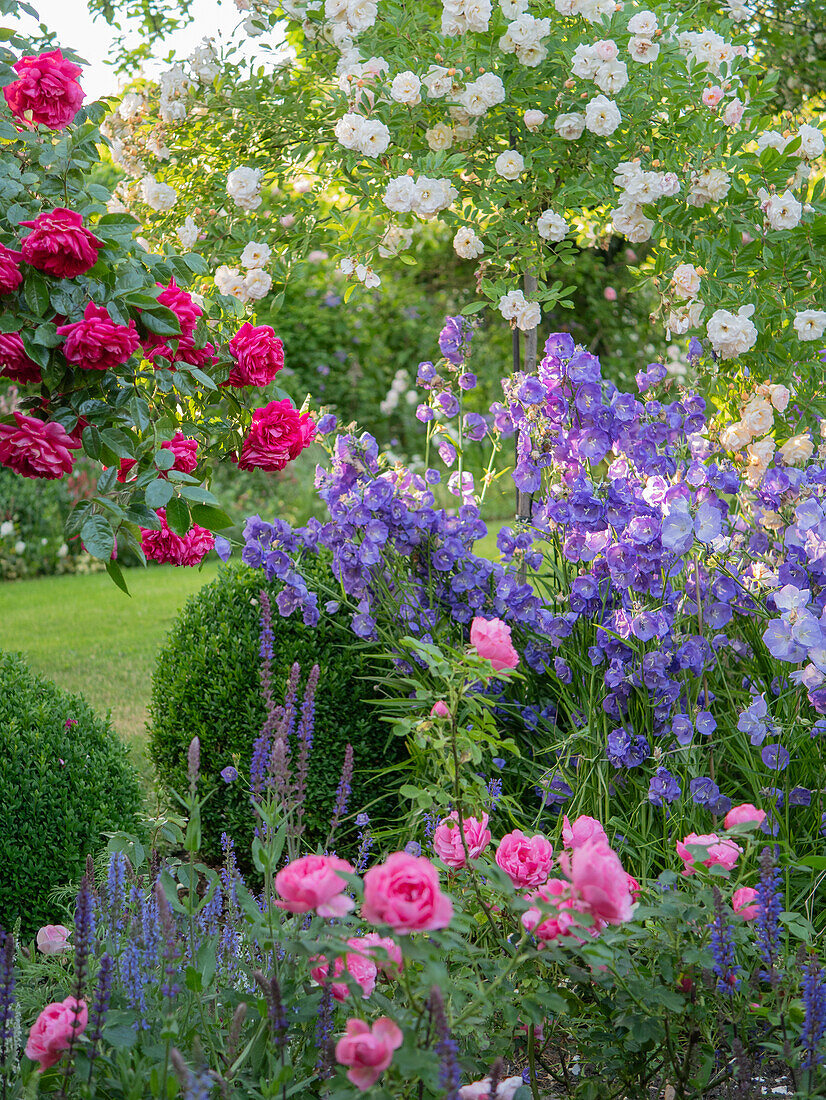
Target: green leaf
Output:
[(195, 263), (161, 321), (116, 573), (198, 494), (97, 536), (158, 493), (164, 459), (214, 519), (36, 293), (91, 441), (474, 307), (177, 516)]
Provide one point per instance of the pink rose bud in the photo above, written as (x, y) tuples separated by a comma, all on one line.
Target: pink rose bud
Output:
[(739, 815), (525, 860), (584, 828), (287, 221), (492, 640), (52, 1031), (610, 294), (439, 710), (53, 939), (447, 840), (368, 1051), (741, 902), (403, 892), (719, 852), (311, 884)]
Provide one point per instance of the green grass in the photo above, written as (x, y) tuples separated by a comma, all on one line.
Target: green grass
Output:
[(89, 637)]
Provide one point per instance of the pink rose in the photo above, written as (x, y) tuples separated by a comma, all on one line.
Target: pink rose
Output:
[(97, 342), (182, 304), (162, 354), (525, 860), (258, 355), (14, 362), (47, 93), (185, 452), (439, 710), (53, 939), (712, 95), (584, 828), (447, 841), (361, 968), (384, 951), (52, 1031), (10, 274), (561, 920), (60, 244), (368, 1051), (723, 852), (634, 888), (741, 902), (739, 815), (403, 892), (166, 547), (599, 881), (311, 884), (278, 434), (36, 449), (492, 639), (610, 294), (480, 1090)]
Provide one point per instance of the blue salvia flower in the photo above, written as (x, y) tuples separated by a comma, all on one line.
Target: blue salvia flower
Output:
[(115, 892), (7, 1009), (304, 736), (323, 1031), (494, 789), (261, 747), (84, 933), (722, 946), (171, 948), (365, 842), (345, 786), (209, 919), (100, 1005), (450, 1075), (196, 1084), (813, 992), (134, 980), (769, 903)]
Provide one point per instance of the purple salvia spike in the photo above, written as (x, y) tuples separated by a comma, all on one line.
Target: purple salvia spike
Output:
[(7, 982), (342, 793)]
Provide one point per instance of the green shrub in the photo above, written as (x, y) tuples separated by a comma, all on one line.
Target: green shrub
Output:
[(206, 683), (65, 779)]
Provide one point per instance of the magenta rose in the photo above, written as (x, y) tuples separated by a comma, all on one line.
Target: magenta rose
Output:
[(258, 355), (47, 93), (53, 939), (739, 815), (14, 363), (403, 892), (599, 881), (10, 274), (447, 841), (492, 639), (384, 951), (36, 449), (525, 860), (358, 965), (278, 434), (182, 304), (185, 452), (60, 244), (721, 852), (185, 351), (53, 1031), (368, 1051), (310, 884), (584, 828), (166, 547), (97, 342)]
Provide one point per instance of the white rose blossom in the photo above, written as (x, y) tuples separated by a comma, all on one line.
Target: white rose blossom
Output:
[(257, 283), (400, 195), (551, 227), (509, 165), (570, 126), (758, 416), (230, 281), (243, 187), (602, 116), (255, 255), (439, 137), (533, 119), (686, 279), (159, 196), (810, 324), (432, 196), (811, 142), (734, 437), (643, 23), (130, 106), (406, 88), (611, 76), (643, 50), (394, 241), (188, 233), (467, 245), (525, 314), (685, 317), (438, 81), (797, 450), (712, 185), (732, 334), (783, 211)]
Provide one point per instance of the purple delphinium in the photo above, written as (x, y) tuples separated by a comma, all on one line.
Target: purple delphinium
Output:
[(276, 1013), (323, 1033), (100, 1006), (304, 737), (813, 995), (365, 842), (722, 946)]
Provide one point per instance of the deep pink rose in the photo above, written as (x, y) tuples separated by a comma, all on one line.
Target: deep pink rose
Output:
[(311, 884), (47, 88), (558, 917), (185, 452), (161, 354), (52, 1031), (368, 1051), (60, 244), (278, 434), (36, 449), (361, 968), (525, 860), (14, 363), (599, 881), (447, 841), (10, 274), (719, 851), (182, 304), (739, 815), (492, 639), (404, 893), (439, 710), (258, 355), (166, 547), (742, 902), (97, 342), (384, 951), (584, 828), (53, 939)]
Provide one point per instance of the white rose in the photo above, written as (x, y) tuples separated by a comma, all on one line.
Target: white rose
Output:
[(758, 416), (477, 14), (731, 334), (491, 88), (367, 275), (569, 126), (255, 255), (783, 211), (779, 396), (685, 317), (346, 266), (438, 81), (257, 283), (734, 437), (811, 142), (464, 131), (797, 450), (712, 185), (509, 164), (361, 15), (611, 76), (585, 62), (512, 9), (606, 49), (643, 187), (230, 281), (602, 116), (643, 50), (405, 88), (528, 316), (629, 220), (400, 195), (439, 137), (188, 233), (669, 184), (770, 139), (394, 241), (473, 100), (466, 244), (643, 23), (551, 227), (160, 196), (432, 195), (373, 138), (6, 529), (686, 281), (348, 130), (531, 56), (810, 324), (759, 456), (130, 105), (534, 119), (243, 185), (511, 303)]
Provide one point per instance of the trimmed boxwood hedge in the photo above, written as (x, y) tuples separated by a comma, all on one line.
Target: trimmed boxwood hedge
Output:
[(62, 785), (206, 683)]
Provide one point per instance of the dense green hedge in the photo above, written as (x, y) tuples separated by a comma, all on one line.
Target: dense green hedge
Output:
[(206, 683), (65, 779)]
